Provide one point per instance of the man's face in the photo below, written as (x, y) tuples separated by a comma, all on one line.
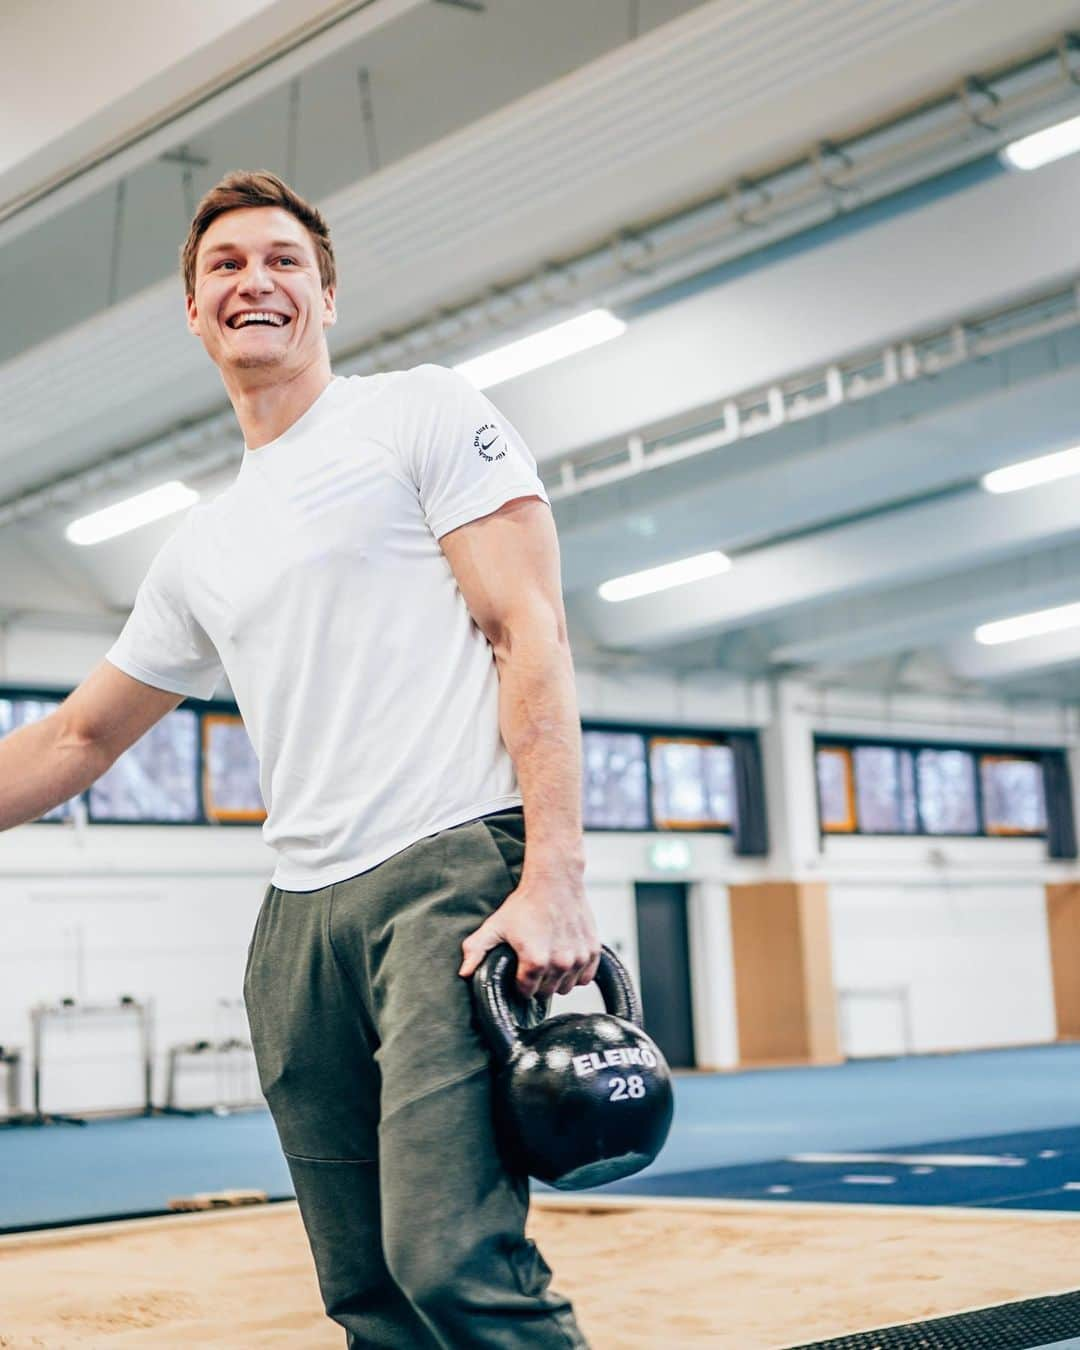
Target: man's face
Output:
[(259, 304)]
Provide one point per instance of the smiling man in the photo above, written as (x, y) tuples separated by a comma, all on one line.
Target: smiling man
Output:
[(381, 586)]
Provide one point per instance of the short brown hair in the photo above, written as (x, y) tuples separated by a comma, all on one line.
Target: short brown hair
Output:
[(245, 189)]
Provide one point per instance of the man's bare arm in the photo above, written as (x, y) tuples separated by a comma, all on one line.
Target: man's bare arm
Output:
[(507, 565), (45, 763)]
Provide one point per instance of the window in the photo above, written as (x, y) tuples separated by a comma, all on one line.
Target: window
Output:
[(836, 799), (614, 793), (947, 801), (662, 778), (20, 712), (230, 770), (1014, 800), (895, 788), (885, 790), (693, 783), (156, 779), (197, 765)]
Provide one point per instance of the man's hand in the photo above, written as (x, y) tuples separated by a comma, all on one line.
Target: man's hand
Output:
[(549, 924)]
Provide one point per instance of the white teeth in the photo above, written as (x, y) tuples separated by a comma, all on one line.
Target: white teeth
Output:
[(257, 316)]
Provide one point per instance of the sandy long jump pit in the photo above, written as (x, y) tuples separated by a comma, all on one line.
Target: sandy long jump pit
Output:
[(676, 1275)]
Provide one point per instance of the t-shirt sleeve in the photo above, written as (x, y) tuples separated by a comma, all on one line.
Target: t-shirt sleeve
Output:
[(162, 643), (464, 456)]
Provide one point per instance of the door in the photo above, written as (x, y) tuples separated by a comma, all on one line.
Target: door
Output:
[(664, 962)]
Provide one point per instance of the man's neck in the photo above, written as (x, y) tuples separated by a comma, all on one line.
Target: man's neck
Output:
[(266, 411)]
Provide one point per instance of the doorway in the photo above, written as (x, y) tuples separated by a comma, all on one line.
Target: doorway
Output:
[(664, 961)]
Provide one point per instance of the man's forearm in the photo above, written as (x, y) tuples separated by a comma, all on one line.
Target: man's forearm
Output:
[(538, 717), (40, 767), (546, 918)]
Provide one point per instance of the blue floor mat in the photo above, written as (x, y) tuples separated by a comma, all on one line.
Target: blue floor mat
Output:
[(68, 1174), (1031, 1170), (732, 1137)]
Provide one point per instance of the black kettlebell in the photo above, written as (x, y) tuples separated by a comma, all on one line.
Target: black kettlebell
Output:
[(580, 1099)]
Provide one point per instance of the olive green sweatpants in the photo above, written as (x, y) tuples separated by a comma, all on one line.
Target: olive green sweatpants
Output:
[(379, 1085)]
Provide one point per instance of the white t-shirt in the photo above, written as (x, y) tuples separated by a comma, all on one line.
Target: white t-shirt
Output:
[(317, 583)]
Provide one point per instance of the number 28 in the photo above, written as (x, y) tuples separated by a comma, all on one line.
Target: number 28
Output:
[(624, 1088)]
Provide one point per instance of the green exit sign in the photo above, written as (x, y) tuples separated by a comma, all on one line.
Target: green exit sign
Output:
[(670, 855)]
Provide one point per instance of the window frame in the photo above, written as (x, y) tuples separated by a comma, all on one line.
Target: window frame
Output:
[(1007, 831), (220, 815), (217, 708), (673, 825), (664, 731), (200, 815), (202, 708), (850, 823), (43, 694), (978, 751)]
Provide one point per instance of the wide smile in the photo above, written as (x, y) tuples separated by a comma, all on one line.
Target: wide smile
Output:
[(258, 319)]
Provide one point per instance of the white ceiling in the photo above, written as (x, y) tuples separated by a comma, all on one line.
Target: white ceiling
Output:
[(528, 134)]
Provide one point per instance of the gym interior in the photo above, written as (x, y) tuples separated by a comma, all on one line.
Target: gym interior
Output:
[(784, 298)]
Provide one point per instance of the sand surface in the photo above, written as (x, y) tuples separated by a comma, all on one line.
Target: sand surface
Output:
[(741, 1278)]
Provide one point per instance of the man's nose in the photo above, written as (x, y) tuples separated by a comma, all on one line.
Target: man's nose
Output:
[(256, 280)]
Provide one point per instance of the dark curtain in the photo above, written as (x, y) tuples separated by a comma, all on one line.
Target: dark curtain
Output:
[(1060, 822), (751, 832)]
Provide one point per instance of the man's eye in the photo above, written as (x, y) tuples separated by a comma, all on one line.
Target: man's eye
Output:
[(287, 260), (226, 262)]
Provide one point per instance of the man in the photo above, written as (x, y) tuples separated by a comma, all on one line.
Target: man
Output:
[(381, 586)]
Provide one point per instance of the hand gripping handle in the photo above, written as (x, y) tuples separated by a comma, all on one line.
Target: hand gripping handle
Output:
[(499, 1006)]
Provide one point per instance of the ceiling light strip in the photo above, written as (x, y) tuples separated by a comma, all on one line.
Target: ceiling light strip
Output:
[(1022, 626)]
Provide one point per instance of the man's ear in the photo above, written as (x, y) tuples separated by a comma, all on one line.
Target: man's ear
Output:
[(192, 315), (329, 308)]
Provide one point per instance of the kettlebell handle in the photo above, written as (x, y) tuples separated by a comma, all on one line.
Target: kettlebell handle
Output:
[(499, 1005)]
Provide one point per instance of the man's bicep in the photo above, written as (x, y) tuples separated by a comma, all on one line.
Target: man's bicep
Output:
[(507, 566), (112, 709)]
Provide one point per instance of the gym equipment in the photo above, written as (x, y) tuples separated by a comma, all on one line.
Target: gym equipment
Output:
[(580, 1099), (75, 1014), (11, 1062), (222, 1055)]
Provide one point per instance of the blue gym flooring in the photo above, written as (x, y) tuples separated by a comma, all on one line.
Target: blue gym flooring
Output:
[(993, 1129)]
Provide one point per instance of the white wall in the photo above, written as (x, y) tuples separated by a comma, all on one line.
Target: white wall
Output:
[(938, 944), (966, 962), (94, 913)]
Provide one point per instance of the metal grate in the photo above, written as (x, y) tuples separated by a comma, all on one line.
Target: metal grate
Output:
[(1038, 1322)]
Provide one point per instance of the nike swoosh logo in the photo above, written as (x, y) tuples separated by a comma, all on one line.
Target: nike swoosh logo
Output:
[(489, 444)]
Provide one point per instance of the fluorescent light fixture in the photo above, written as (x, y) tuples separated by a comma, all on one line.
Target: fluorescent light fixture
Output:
[(1031, 472), (131, 513), (654, 579), (1028, 625), (541, 349), (1043, 147)]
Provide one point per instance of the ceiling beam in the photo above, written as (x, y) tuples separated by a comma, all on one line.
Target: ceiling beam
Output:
[(930, 613), (943, 537), (194, 90)]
